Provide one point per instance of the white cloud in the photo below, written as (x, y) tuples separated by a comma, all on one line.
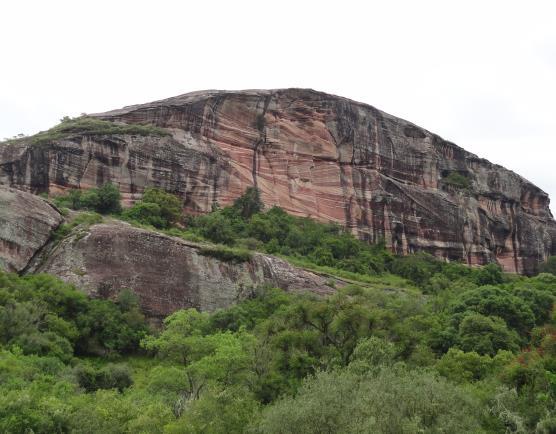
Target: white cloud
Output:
[(481, 74)]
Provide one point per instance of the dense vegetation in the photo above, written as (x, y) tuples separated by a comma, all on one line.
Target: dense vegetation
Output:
[(443, 348), (88, 126)]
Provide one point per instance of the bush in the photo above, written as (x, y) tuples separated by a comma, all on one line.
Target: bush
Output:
[(147, 214), (111, 376), (249, 203), (83, 220), (157, 208), (108, 199), (393, 401), (486, 335), (216, 228), (89, 126), (170, 206), (457, 180), (418, 268), (105, 200)]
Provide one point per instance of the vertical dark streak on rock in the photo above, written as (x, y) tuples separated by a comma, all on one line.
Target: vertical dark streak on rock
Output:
[(260, 140), (514, 237)]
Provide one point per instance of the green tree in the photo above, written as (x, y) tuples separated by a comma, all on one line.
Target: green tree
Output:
[(249, 203), (392, 401), (146, 213), (109, 199), (485, 335), (170, 206)]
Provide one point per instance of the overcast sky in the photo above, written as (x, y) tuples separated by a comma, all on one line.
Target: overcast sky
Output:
[(479, 73)]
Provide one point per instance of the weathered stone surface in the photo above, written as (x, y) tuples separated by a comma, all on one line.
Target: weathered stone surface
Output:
[(166, 273), (26, 222), (315, 155)]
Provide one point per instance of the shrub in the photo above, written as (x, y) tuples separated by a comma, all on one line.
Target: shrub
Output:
[(457, 180), (249, 203), (108, 199), (146, 213), (216, 228), (393, 401), (83, 220), (418, 268), (169, 204), (486, 335), (111, 376), (89, 126), (104, 200)]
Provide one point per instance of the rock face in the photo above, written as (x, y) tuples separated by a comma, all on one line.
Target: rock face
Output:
[(166, 273), (26, 222), (315, 155)]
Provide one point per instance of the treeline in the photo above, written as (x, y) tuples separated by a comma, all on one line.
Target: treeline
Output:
[(363, 360)]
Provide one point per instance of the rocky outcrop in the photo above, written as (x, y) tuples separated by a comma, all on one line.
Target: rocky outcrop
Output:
[(26, 222), (315, 155), (167, 273)]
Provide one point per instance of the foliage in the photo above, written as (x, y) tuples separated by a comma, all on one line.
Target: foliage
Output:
[(110, 376), (277, 232), (249, 203), (83, 221), (344, 402), (89, 126), (457, 180), (41, 315), (361, 360), (405, 344), (105, 199), (156, 208)]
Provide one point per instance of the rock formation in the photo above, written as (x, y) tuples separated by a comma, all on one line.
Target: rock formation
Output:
[(26, 222), (167, 273), (315, 155)]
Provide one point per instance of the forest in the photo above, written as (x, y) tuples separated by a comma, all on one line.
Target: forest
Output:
[(410, 344)]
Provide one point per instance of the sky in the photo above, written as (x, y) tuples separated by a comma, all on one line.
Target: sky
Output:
[(481, 74)]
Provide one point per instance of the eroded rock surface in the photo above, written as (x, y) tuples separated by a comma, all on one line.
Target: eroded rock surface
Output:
[(315, 155), (26, 222), (166, 273)]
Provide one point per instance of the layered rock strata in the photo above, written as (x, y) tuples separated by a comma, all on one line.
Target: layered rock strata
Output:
[(26, 222), (315, 155), (167, 273)]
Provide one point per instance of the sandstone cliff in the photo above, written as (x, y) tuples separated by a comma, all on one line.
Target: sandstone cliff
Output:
[(167, 273), (26, 222), (315, 155)]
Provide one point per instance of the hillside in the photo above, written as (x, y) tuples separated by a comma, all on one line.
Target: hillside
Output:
[(310, 153), (365, 342), (281, 261)]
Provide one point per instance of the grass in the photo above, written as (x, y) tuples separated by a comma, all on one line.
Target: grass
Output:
[(88, 126), (381, 280), (83, 220)]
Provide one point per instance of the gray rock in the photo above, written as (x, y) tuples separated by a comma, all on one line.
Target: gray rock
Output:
[(315, 155), (26, 223), (167, 273)]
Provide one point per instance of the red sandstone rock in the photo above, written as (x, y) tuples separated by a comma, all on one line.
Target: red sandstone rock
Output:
[(315, 155), (166, 273), (26, 222)]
